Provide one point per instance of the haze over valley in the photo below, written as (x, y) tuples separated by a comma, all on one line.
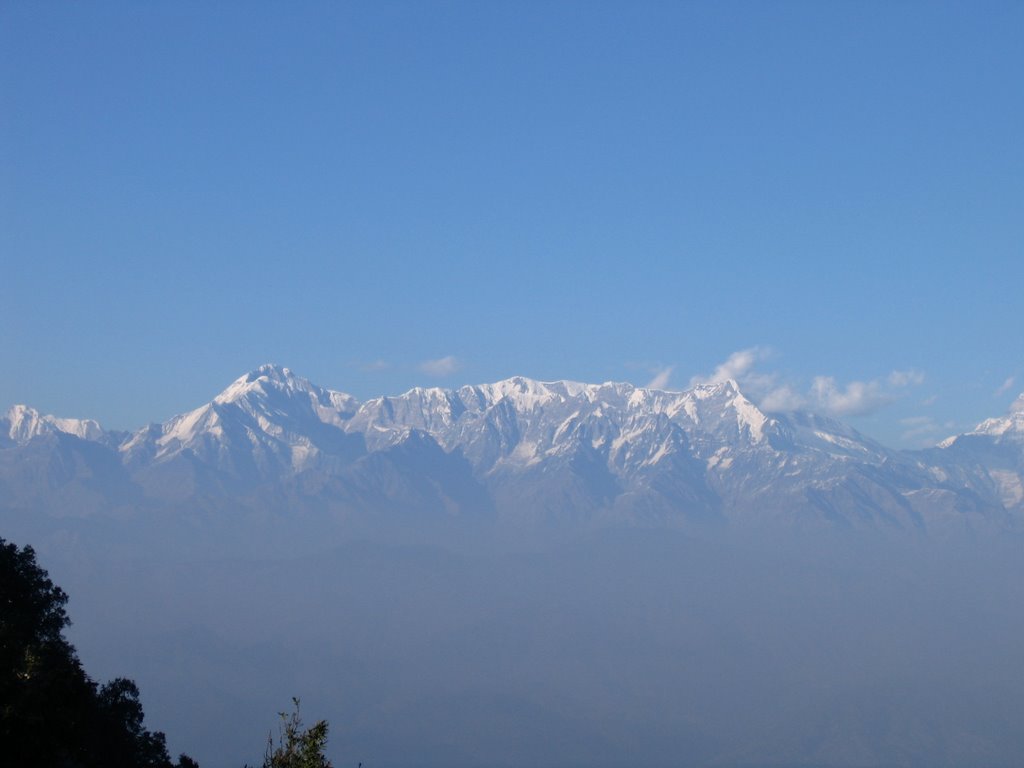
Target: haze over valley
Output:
[(552, 572), (655, 386)]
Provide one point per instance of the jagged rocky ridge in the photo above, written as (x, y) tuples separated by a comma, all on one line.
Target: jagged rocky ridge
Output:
[(518, 450)]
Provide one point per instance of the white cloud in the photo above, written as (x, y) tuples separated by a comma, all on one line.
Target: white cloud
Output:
[(857, 398), (900, 379), (660, 380), (735, 367), (825, 395), (375, 365), (783, 398), (443, 366), (1005, 387)]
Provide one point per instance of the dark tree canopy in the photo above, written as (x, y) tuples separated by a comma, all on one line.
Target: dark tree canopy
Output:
[(51, 711), (32, 606)]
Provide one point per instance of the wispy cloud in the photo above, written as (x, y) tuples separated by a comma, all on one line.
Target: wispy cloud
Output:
[(736, 367), (661, 378), (908, 378), (856, 398), (825, 395), (783, 398), (925, 431), (1005, 387), (443, 366), (859, 398), (375, 365)]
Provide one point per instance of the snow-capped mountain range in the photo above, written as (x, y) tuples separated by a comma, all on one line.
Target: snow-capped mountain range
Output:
[(518, 450)]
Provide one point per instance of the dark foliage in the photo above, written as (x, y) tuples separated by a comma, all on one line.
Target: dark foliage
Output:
[(51, 711), (297, 747)]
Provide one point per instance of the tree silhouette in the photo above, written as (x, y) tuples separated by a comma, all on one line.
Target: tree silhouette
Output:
[(51, 711), (297, 747)]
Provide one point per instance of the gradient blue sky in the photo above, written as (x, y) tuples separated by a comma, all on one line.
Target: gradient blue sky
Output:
[(560, 190)]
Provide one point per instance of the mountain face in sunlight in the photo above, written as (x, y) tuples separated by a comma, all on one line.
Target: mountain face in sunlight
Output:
[(551, 573), (518, 451)]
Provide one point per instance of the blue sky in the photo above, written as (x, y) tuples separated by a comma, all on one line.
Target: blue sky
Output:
[(827, 199)]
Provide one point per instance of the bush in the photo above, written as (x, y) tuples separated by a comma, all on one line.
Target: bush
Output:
[(297, 747)]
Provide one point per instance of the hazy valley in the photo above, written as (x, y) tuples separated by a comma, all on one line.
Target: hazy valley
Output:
[(553, 573)]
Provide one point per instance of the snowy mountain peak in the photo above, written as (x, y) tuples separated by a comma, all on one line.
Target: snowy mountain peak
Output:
[(719, 402), (525, 394), (24, 423), (278, 377), (726, 388), (630, 452), (1011, 424), (268, 418), (278, 374)]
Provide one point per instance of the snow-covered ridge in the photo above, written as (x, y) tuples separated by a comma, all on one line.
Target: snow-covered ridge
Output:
[(257, 381), (273, 405), (272, 393), (566, 445), (281, 418), (1009, 427), (269, 420), (24, 423)]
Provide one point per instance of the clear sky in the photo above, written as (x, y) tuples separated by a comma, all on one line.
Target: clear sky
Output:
[(383, 195)]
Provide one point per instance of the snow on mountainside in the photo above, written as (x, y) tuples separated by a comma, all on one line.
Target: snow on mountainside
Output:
[(524, 420), (267, 423), (21, 423), (553, 450), (989, 459), (1009, 427)]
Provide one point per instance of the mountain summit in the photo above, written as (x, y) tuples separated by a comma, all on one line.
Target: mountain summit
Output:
[(21, 423), (521, 449)]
